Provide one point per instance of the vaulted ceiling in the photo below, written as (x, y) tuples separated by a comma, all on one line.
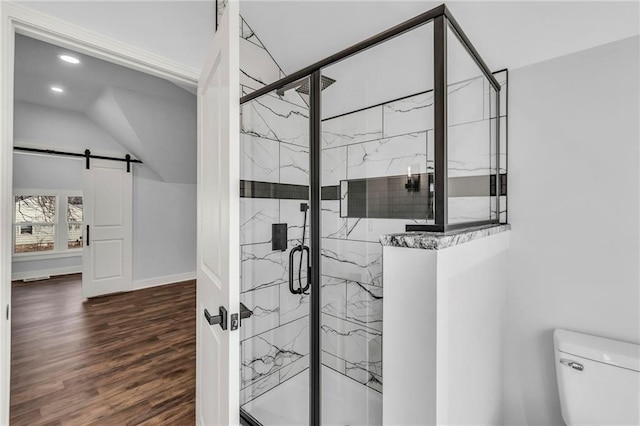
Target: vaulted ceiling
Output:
[(153, 119)]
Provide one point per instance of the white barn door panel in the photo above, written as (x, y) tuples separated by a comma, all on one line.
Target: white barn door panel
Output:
[(108, 215)]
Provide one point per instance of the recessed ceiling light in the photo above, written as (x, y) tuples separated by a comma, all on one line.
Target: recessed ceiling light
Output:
[(57, 89), (69, 59)]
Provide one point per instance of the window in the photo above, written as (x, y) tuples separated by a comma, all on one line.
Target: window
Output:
[(41, 226), (37, 215), (74, 222)]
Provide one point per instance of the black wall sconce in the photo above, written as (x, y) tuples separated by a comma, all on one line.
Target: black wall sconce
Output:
[(413, 182)]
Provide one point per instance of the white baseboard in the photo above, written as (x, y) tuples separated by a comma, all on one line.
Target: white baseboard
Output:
[(74, 269), (166, 279)]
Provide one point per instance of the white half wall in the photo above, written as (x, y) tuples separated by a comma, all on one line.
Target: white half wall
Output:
[(573, 203)]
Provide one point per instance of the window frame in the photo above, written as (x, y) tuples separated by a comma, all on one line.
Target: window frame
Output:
[(60, 225)]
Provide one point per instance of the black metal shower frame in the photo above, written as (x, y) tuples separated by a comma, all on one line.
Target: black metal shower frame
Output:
[(442, 18)]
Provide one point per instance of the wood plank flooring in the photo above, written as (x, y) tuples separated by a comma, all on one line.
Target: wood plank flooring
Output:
[(124, 359)]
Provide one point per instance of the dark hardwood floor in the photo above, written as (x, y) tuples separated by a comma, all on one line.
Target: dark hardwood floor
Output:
[(124, 359)]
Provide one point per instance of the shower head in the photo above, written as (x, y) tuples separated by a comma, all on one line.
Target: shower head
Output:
[(324, 83), (302, 86)]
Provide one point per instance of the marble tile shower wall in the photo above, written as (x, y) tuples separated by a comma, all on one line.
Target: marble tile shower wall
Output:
[(383, 141), (274, 148)]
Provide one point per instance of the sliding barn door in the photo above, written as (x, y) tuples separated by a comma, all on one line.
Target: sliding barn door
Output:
[(108, 216)]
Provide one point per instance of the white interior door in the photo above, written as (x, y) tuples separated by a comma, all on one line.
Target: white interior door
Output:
[(107, 265), (218, 262)]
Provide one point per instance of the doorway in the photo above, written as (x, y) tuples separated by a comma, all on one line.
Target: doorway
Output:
[(24, 23)]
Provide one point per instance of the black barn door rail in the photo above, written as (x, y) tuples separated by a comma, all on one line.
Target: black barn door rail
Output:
[(87, 155)]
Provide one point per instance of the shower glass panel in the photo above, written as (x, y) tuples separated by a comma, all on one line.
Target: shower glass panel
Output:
[(471, 137), (377, 159), (274, 173)]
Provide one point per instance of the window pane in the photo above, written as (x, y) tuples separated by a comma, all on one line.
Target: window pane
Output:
[(74, 209), (35, 208), (33, 238), (74, 236)]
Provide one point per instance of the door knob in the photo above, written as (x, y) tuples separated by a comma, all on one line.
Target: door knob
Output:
[(220, 319)]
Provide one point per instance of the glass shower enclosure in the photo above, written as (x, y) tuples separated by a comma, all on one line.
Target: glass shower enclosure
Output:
[(397, 133)]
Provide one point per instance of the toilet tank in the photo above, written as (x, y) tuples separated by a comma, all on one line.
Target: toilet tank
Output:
[(598, 379)]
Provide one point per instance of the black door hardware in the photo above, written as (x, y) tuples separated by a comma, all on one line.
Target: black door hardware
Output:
[(220, 319), (279, 236), (244, 312), (87, 235), (300, 290), (302, 249)]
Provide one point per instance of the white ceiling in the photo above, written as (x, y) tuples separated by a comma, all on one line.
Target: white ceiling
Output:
[(180, 30), (506, 34)]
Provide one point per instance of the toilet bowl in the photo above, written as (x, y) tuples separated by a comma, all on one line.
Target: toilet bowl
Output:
[(598, 379)]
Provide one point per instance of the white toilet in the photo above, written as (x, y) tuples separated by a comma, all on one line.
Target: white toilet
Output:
[(598, 379)]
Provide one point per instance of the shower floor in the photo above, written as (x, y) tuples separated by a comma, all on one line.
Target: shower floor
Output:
[(344, 402)]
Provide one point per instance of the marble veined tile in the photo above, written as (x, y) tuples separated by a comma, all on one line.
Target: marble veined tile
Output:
[(362, 374), (333, 226), (296, 367), (334, 166), (271, 117), (334, 296), (468, 149), (361, 126), (333, 362), (363, 229), (291, 215), (259, 159), (258, 387), (364, 305), (293, 306), (466, 101), (265, 304), (410, 115), (353, 343), (388, 157), (257, 68), (247, 33), (262, 267), (467, 209), (352, 260), (256, 217), (268, 352), (294, 164)]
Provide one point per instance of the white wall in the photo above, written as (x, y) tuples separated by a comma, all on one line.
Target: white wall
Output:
[(573, 203), (164, 230)]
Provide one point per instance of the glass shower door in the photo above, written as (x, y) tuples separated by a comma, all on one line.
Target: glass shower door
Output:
[(377, 169), (274, 253)]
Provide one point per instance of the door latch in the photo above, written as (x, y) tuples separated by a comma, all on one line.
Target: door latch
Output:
[(220, 319)]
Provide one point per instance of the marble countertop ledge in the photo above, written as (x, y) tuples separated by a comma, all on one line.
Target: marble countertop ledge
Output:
[(441, 240)]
